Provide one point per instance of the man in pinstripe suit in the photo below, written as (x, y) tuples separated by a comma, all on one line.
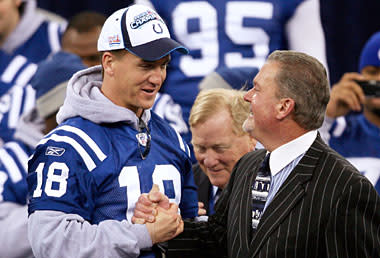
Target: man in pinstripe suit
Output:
[(318, 204)]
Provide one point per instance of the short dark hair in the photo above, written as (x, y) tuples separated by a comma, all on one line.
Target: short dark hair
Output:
[(85, 21)]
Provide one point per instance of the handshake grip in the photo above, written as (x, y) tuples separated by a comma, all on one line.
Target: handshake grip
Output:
[(160, 217), (153, 209)]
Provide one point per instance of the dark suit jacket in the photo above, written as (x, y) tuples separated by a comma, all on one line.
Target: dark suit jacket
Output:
[(204, 186), (325, 208)]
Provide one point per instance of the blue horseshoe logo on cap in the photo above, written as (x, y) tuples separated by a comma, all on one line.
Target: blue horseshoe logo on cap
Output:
[(160, 28)]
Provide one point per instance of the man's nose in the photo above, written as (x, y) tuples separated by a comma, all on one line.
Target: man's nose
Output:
[(157, 76), (211, 158)]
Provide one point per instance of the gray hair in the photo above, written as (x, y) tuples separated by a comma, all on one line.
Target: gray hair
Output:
[(304, 79)]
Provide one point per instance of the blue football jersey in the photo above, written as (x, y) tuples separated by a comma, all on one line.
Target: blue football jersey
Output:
[(97, 171), (19, 100), (44, 41), (171, 112), (13, 160), (14, 70), (358, 140), (220, 33)]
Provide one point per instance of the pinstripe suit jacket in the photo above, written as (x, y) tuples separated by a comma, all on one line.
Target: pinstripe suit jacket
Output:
[(325, 208)]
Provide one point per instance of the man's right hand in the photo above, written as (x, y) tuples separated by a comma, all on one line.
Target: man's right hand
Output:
[(346, 95), (167, 225), (146, 206), (160, 217)]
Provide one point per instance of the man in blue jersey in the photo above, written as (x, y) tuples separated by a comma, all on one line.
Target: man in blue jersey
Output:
[(79, 38), (86, 175), (26, 37), (225, 33), (356, 135), (50, 93), (26, 31)]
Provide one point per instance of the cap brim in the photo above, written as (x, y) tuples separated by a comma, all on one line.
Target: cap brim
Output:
[(157, 49)]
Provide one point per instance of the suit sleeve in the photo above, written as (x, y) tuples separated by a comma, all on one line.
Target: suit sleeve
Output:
[(206, 238), (354, 226)]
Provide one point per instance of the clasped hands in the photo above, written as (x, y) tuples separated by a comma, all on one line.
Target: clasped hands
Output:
[(159, 215)]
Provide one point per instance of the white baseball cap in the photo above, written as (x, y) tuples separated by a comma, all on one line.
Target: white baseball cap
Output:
[(141, 31)]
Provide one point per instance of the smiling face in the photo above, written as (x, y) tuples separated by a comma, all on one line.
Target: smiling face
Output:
[(217, 148), (131, 82), (263, 101)]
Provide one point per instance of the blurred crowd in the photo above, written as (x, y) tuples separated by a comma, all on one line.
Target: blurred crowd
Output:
[(43, 43)]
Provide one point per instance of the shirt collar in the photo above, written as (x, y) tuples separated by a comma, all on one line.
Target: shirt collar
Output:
[(286, 153)]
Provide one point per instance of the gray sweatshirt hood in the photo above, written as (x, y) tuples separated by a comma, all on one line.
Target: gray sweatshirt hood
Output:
[(84, 99)]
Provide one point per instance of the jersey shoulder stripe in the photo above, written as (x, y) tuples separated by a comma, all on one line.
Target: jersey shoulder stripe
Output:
[(11, 166), (18, 100), (183, 144), (90, 142), (54, 32), (90, 164), (21, 155), (14, 66), (26, 74), (72, 138)]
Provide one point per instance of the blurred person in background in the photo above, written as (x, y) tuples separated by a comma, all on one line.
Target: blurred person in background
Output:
[(40, 101), (80, 39), (352, 123), (216, 123), (224, 33), (50, 86), (26, 35)]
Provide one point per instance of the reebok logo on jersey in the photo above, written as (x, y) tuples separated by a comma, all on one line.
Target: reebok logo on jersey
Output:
[(54, 151)]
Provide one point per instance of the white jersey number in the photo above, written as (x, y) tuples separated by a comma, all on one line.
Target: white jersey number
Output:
[(58, 173), (207, 38), (129, 177)]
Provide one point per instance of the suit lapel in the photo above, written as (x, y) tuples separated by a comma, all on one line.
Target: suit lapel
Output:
[(240, 213), (287, 197)]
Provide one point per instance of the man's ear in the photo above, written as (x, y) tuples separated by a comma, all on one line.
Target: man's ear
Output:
[(285, 107), (108, 61)]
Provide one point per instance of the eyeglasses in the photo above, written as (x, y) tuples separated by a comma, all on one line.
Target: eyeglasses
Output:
[(143, 139)]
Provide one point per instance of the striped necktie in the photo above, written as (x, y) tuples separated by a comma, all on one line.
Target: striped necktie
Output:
[(213, 199), (260, 190)]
